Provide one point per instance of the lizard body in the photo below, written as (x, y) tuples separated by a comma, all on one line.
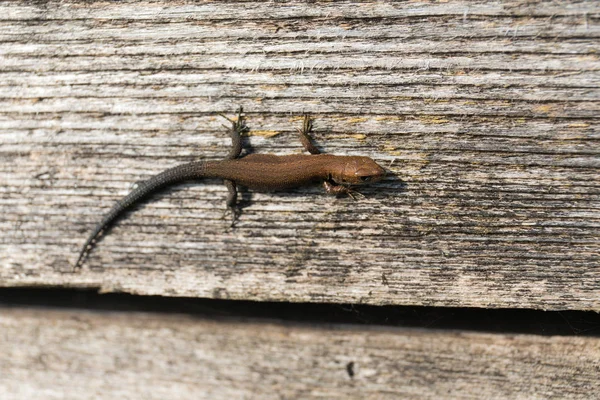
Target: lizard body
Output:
[(255, 171)]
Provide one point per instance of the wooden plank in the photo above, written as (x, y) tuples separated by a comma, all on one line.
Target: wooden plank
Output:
[(64, 354), (487, 113)]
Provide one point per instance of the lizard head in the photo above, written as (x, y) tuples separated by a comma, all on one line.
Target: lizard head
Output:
[(356, 170)]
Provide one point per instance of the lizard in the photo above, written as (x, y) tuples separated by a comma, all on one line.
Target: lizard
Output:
[(254, 171)]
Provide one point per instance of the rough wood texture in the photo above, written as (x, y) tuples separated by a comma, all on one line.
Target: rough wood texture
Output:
[(47, 354), (488, 110)]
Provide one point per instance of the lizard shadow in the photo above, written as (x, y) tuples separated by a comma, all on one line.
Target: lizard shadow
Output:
[(392, 183)]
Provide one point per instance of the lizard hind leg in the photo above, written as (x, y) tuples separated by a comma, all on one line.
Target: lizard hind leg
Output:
[(237, 129), (231, 201)]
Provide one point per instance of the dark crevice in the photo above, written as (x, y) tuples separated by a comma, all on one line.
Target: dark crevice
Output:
[(507, 321)]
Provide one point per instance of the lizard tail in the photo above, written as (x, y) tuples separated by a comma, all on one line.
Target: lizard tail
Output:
[(178, 174)]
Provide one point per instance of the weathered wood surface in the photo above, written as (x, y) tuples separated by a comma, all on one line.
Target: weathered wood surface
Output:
[(486, 111), (51, 354)]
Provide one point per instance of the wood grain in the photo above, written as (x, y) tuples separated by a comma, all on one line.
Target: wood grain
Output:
[(487, 114), (77, 354)]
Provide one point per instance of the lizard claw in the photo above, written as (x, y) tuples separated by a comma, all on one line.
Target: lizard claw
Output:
[(307, 125), (239, 124), (354, 194), (234, 215)]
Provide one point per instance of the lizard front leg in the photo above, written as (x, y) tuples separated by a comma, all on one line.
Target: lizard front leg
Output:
[(338, 190), (305, 138)]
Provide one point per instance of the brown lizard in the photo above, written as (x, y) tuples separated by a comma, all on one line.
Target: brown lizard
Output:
[(255, 171)]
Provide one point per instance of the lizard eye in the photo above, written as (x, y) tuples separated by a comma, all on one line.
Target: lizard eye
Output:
[(365, 178)]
